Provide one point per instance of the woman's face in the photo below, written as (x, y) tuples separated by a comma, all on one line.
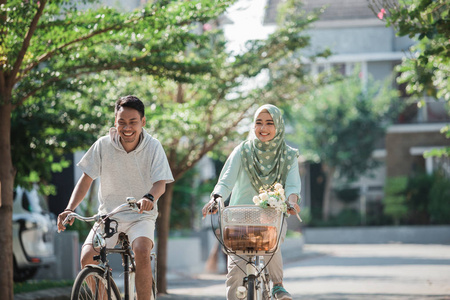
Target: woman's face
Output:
[(265, 127)]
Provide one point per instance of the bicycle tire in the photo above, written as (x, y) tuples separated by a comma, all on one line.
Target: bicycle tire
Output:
[(251, 287), (88, 276)]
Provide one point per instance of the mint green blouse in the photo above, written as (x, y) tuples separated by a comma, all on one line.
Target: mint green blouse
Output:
[(235, 181)]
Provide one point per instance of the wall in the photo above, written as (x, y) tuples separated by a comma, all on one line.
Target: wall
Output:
[(399, 161), (378, 235)]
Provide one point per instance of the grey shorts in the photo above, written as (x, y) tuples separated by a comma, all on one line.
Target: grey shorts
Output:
[(135, 229)]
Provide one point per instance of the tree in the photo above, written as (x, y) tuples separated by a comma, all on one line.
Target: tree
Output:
[(428, 22), (40, 51), (427, 70), (339, 126)]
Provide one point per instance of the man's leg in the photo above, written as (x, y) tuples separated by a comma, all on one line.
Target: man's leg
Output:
[(142, 247), (87, 258), (87, 255)]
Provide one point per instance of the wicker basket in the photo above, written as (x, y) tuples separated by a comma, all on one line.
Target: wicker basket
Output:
[(250, 228)]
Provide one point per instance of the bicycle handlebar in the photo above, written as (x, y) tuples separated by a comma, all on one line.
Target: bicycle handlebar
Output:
[(131, 204)]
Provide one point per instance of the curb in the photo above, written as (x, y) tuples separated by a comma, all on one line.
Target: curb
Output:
[(62, 293)]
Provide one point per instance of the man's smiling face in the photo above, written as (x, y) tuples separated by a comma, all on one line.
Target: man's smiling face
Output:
[(129, 126)]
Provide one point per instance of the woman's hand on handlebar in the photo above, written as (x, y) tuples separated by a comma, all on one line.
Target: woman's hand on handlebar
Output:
[(293, 208), (211, 206), (60, 222)]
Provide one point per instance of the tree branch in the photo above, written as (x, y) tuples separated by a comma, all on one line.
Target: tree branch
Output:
[(183, 165), (50, 54), (26, 43), (56, 79)]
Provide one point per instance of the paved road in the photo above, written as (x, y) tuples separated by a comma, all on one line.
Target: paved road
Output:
[(347, 272)]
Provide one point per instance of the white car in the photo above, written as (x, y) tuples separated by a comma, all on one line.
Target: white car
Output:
[(34, 231)]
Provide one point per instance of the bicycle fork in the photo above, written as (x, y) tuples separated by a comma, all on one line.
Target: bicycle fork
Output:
[(250, 284)]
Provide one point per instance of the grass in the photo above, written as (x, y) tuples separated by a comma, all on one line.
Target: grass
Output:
[(293, 234), (37, 285)]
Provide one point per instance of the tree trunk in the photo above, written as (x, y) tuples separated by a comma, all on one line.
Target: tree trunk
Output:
[(211, 265), (329, 172), (162, 229), (7, 185)]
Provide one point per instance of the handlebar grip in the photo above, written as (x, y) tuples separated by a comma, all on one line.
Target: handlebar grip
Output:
[(67, 219)]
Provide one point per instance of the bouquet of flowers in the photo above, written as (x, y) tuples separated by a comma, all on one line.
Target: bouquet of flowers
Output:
[(271, 196)]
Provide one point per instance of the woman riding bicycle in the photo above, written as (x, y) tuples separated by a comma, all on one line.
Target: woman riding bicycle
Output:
[(262, 160)]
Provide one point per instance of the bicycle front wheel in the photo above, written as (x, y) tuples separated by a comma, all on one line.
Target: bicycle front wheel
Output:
[(91, 284)]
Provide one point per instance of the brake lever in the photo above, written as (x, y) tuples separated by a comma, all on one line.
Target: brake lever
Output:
[(133, 204)]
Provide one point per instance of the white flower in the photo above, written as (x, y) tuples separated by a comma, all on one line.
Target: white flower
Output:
[(263, 196), (272, 201), (272, 196)]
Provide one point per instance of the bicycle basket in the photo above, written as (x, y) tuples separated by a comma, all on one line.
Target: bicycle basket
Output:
[(250, 228)]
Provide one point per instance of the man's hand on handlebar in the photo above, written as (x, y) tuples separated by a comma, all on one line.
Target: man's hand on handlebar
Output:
[(145, 205), (61, 217)]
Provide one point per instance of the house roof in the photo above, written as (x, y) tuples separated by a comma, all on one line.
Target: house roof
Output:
[(335, 10)]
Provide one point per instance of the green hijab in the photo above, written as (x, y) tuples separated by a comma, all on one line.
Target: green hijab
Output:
[(269, 162)]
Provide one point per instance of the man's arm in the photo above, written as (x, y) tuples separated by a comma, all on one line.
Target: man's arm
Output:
[(78, 194)]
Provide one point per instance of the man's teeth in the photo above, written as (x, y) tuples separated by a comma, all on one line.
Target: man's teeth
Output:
[(127, 134)]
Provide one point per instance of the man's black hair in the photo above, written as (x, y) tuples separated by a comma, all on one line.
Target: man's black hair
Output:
[(132, 102)]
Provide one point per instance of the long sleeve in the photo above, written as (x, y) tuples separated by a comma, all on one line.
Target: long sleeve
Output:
[(293, 183), (229, 174)]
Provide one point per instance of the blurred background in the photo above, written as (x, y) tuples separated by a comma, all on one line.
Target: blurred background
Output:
[(369, 117)]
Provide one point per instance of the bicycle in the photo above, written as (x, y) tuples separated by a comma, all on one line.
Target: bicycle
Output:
[(252, 233), (95, 281)]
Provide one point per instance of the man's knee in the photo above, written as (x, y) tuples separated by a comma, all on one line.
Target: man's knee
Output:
[(142, 247)]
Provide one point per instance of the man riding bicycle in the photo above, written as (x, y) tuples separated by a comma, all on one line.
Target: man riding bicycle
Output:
[(129, 163)]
